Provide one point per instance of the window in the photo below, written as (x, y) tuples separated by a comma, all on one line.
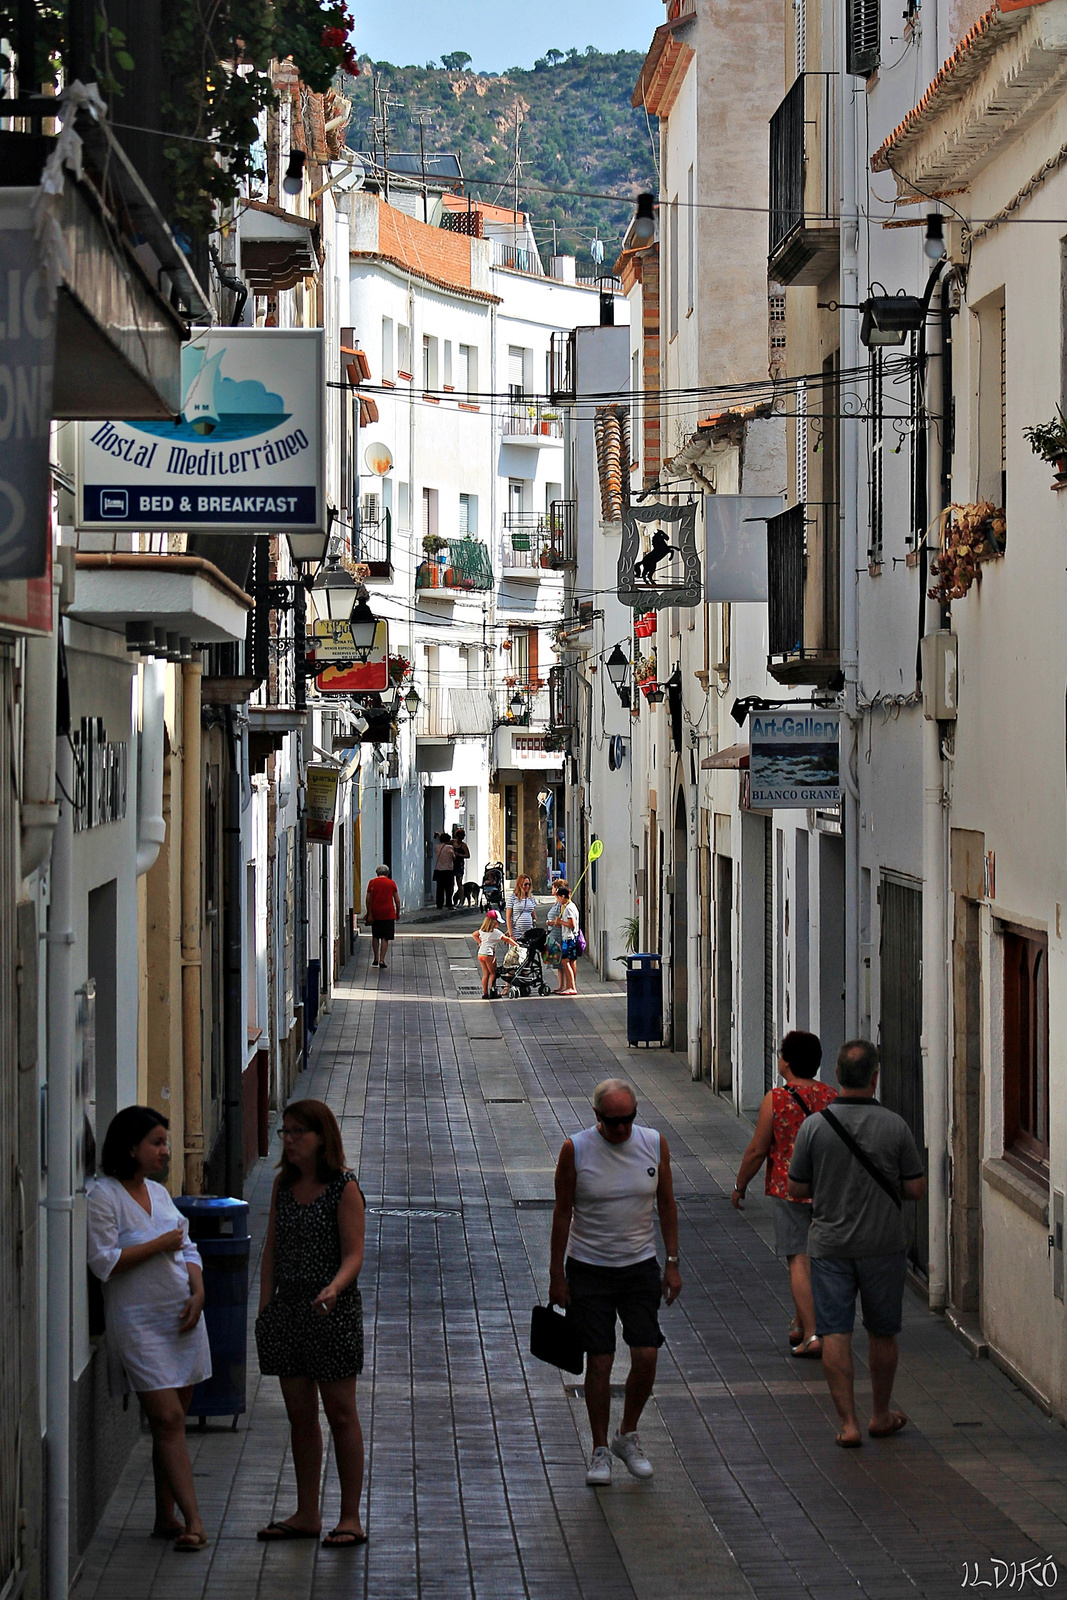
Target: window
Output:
[(403, 504), (403, 351), (516, 372), (672, 267), (515, 497), (429, 512), (553, 492), (862, 43), (690, 240), (992, 476), (511, 830), (468, 371), (468, 516), (447, 377), (388, 352), (1026, 1098), (800, 37), (776, 330), (429, 363)]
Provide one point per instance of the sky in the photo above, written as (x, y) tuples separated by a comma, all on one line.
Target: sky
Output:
[(499, 33)]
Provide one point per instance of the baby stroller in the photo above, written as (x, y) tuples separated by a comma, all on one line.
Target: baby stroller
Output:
[(493, 887), (529, 975)]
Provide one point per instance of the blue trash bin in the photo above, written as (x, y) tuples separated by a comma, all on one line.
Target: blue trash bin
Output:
[(218, 1227), (644, 998)]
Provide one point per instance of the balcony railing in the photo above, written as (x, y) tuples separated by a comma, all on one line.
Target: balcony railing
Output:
[(561, 367), (804, 231), (451, 713), (465, 565), (517, 258), (531, 422), (373, 542), (802, 576), (563, 697), (538, 543), (535, 709)]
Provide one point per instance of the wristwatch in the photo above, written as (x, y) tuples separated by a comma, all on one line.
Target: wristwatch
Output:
[(672, 1261)]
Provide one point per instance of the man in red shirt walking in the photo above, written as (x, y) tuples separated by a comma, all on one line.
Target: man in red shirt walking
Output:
[(383, 908)]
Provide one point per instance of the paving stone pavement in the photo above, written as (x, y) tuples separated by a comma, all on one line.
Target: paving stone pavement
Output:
[(452, 1111)]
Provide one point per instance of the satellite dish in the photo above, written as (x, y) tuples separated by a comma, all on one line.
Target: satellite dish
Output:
[(379, 458), (353, 176)]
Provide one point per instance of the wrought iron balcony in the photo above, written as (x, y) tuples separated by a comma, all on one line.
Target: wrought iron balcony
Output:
[(534, 711), (561, 368), (803, 588), (517, 258), (804, 239), (563, 696), (528, 422), (464, 565), (373, 541), (534, 542)]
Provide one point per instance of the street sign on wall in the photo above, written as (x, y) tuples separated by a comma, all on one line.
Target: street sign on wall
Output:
[(27, 360), (794, 759), (321, 792), (247, 452), (333, 642)]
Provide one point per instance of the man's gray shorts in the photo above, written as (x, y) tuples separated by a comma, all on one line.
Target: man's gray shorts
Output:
[(879, 1282), (792, 1221)]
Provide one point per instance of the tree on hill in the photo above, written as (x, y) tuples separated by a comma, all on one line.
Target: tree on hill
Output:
[(456, 61)]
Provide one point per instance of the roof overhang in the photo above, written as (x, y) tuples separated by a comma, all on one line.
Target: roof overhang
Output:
[(278, 248), (185, 595), (1004, 74), (664, 69)]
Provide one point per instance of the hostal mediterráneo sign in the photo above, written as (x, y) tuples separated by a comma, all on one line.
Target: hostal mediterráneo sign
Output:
[(247, 450)]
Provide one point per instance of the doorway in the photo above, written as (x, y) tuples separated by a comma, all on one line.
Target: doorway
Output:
[(433, 812), (900, 1032), (724, 972), (831, 944), (680, 933)]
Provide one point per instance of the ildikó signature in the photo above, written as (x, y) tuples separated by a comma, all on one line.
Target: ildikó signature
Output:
[(1011, 1574)]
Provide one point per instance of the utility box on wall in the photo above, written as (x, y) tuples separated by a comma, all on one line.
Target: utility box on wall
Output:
[(940, 676)]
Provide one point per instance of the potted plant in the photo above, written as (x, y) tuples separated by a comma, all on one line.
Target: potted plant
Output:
[(433, 544), (969, 534), (426, 575), (645, 626), (1049, 441), (645, 674), (631, 934), (399, 668)]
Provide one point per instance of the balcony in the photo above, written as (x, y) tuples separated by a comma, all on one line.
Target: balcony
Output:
[(536, 543), (803, 584), (535, 710), (804, 241), (465, 567), (517, 258), (563, 697), (529, 423), (447, 714), (373, 541), (561, 368)]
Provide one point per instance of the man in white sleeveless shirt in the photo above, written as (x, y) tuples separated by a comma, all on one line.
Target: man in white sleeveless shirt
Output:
[(608, 1179)]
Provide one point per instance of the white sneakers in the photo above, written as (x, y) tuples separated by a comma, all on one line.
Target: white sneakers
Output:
[(627, 1446), (599, 1472)]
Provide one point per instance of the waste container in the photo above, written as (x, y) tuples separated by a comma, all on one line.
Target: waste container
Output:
[(644, 998), (219, 1228)]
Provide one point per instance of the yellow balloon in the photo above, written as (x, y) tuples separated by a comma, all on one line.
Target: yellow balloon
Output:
[(596, 849)]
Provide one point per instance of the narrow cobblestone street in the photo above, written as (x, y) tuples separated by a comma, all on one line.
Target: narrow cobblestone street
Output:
[(452, 1112)]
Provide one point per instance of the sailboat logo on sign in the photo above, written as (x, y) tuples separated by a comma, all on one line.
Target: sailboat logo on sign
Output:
[(217, 407)]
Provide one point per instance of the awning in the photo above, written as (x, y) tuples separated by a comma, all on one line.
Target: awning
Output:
[(278, 248), (732, 756)]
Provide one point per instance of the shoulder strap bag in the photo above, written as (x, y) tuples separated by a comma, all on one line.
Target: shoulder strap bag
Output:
[(860, 1155), (799, 1098)]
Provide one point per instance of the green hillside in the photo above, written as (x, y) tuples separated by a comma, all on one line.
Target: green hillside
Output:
[(578, 131)]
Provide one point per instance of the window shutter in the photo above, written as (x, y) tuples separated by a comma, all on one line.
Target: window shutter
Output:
[(862, 37)]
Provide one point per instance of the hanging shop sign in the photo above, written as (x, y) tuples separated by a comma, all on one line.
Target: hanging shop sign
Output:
[(321, 802), (794, 759), (333, 643), (659, 564), (27, 360), (247, 452), (735, 545)]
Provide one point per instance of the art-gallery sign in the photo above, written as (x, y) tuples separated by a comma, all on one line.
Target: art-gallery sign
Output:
[(794, 759), (27, 362), (247, 451)]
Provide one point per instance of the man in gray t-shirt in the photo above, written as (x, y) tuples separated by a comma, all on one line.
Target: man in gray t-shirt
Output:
[(856, 1174)]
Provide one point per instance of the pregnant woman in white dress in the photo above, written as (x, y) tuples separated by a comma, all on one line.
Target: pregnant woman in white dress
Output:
[(157, 1345)]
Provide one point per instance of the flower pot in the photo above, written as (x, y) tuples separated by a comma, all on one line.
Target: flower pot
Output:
[(1061, 469)]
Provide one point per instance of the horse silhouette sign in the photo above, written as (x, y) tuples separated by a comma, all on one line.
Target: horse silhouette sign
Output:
[(658, 563)]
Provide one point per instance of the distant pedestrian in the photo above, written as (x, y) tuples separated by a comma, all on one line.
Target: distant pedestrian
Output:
[(783, 1111), (855, 1162), (521, 916), (566, 920), (489, 937), (153, 1295), (309, 1332), (603, 1262), (443, 861), (460, 856), (383, 908)]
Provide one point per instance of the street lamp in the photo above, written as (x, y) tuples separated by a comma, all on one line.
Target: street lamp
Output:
[(888, 319), (644, 225), (934, 243), (412, 701), (293, 181), (516, 705), (619, 673), (337, 589), (363, 625)]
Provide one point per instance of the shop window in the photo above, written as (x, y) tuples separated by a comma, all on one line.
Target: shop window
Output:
[(1026, 1096)]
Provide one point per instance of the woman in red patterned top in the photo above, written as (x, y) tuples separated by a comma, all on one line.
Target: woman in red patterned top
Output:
[(781, 1115)]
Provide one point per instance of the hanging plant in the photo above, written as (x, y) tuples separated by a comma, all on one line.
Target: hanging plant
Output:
[(433, 544), (969, 534), (1049, 441), (399, 668)]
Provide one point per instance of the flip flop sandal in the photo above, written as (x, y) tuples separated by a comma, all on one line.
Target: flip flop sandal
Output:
[(343, 1539), (796, 1333), (187, 1544), (899, 1421), (806, 1352), (278, 1532), (847, 1444)]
